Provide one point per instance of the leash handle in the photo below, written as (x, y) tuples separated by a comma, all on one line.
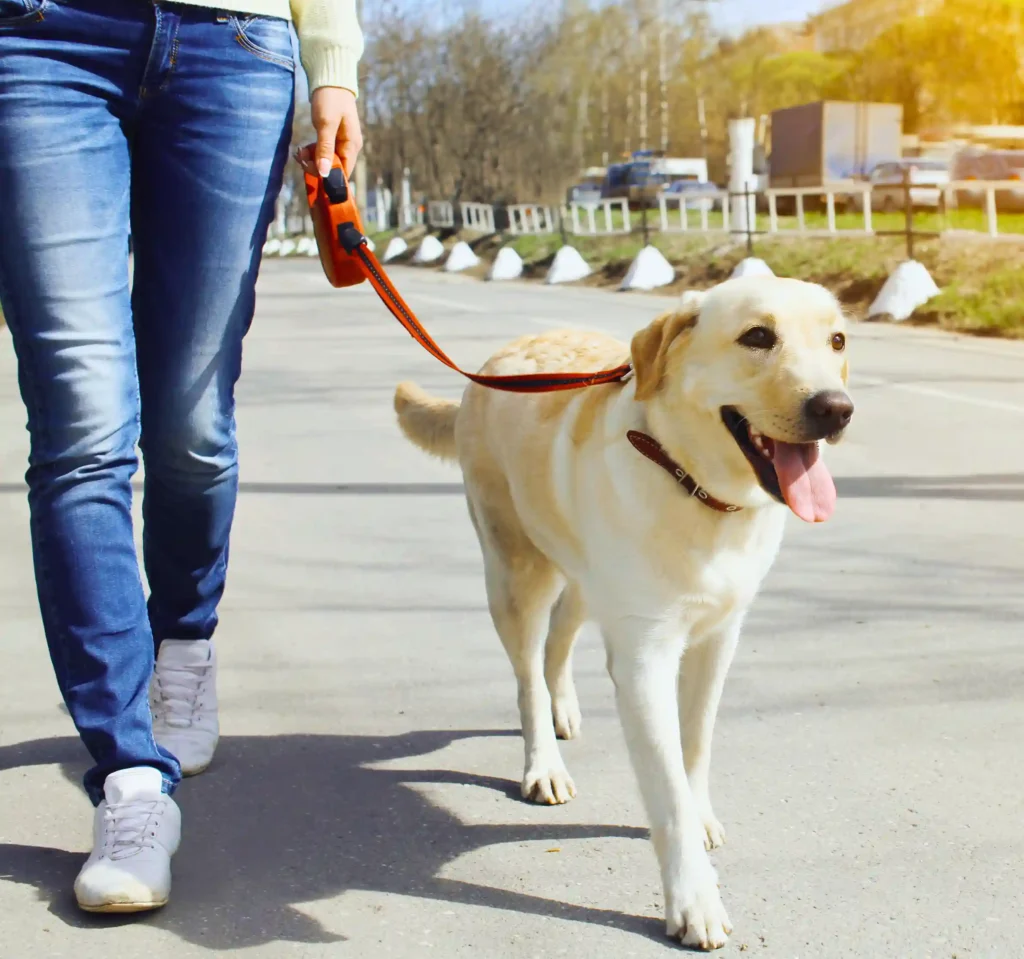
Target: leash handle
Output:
[(347, 260)]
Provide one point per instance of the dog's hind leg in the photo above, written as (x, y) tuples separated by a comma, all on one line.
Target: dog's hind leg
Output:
[(701, 680), (522, 585), (567, 618)]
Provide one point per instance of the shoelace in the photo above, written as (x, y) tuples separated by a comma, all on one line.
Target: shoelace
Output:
[(178, 691), (127, 826)]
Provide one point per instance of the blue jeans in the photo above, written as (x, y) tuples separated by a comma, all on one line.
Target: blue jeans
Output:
[(173, 123)]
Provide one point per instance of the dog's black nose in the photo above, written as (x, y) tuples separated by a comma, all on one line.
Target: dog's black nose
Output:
[(828, 412)]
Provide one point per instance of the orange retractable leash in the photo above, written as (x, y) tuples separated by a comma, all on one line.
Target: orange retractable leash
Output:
[(347, 261)]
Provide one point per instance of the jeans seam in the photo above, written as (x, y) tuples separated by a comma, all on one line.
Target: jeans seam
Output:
[(257, 51), (171, 65)]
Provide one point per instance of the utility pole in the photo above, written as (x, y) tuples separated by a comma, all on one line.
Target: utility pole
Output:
[(662, 77), (361, 175), (643, 84)]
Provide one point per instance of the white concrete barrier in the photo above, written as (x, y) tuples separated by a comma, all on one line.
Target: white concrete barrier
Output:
[(648, 270), (272, 247), (508, 265), (909, 287), (567, 267), (440, 214), (430, 250), (751, 266), (461, 258), (288, 246), (478, 217), (395, 248)]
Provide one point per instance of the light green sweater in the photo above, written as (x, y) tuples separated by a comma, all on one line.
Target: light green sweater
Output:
[(330, 38)]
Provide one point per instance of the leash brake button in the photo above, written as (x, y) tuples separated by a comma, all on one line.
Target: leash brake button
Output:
[(335, 187), (349, 237)]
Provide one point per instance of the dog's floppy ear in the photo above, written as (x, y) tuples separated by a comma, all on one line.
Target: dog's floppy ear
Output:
[(650, 346)]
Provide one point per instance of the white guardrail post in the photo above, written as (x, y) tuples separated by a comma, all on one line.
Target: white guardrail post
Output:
[(608, 217), (478, 217), (530, 218), (991, 214), (440, 214)]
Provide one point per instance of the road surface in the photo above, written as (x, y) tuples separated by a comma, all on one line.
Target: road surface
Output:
[(364, 801)]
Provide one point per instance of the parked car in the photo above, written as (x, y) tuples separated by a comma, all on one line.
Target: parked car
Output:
[(584, 193), (695, 194), (990, 165), (927, 178)]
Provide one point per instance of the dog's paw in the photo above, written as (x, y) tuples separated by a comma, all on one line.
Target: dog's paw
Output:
[(696, 917), (714, 831), (565, 711), (548, 785)]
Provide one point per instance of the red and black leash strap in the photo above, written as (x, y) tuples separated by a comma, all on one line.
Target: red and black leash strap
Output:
[(355, 245)]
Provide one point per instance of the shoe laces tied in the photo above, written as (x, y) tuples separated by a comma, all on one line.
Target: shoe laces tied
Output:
[(179, 690), (130, 827)]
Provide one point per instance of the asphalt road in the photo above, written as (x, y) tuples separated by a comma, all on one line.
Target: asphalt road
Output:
[(364, 802)]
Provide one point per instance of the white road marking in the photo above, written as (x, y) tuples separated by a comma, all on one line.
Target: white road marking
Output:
[(944, 395), (550, 323)]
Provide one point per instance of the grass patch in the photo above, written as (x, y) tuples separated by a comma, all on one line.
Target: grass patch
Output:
[(985, 303)]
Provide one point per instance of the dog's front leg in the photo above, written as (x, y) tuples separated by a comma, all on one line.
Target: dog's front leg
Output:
[(701, 680), (643, 659)]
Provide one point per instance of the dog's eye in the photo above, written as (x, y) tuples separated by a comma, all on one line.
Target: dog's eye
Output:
[(838, 342), (759, 338)]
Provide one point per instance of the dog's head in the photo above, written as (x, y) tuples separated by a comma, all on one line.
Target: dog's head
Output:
[(744, 381)]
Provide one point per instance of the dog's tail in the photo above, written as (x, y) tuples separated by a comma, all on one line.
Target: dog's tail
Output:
[(427, 421)]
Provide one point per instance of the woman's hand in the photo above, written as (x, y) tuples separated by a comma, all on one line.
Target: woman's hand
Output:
[(336, 121)]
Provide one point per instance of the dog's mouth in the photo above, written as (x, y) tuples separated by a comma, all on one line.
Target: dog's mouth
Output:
[(793, 473)]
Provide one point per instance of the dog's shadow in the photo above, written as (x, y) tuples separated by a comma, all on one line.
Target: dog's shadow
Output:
[(283, 820)]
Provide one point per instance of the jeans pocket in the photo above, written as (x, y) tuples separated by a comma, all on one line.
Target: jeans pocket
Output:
[(268, 38), (15, 12)]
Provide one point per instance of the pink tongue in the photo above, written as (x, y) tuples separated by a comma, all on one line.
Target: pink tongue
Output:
[(805, 481)]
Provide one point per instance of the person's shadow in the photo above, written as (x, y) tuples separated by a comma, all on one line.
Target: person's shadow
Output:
[(291, 819)]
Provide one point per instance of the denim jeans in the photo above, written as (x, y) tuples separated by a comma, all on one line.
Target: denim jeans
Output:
[(173, 123)]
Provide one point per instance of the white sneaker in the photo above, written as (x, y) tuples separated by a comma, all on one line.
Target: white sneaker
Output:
[(136, 830), (183, 699)]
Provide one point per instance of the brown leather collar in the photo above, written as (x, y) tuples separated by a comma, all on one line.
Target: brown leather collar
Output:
[(654, 451)]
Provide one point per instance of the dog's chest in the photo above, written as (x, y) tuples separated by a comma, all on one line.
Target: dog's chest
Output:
[(724, 571)]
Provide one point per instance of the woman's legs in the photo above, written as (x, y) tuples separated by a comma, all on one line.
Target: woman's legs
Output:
[(208, 160), (65, 120), (182, 117), (207, 164)]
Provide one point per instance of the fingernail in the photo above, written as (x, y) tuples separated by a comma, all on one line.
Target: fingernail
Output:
[(324, 166)]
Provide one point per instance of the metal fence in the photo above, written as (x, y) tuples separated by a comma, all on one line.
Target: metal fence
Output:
[(440, 214), (531, 218), (615, 218), (849, 210), (478, 217)]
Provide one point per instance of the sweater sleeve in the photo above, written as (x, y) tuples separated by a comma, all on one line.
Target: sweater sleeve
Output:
[(330, 42)]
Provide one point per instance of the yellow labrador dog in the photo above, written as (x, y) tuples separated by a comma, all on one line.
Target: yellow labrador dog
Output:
[(654, 507)]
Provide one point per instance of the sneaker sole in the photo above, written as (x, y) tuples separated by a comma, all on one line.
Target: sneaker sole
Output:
[(124, 907), (195, 770)]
